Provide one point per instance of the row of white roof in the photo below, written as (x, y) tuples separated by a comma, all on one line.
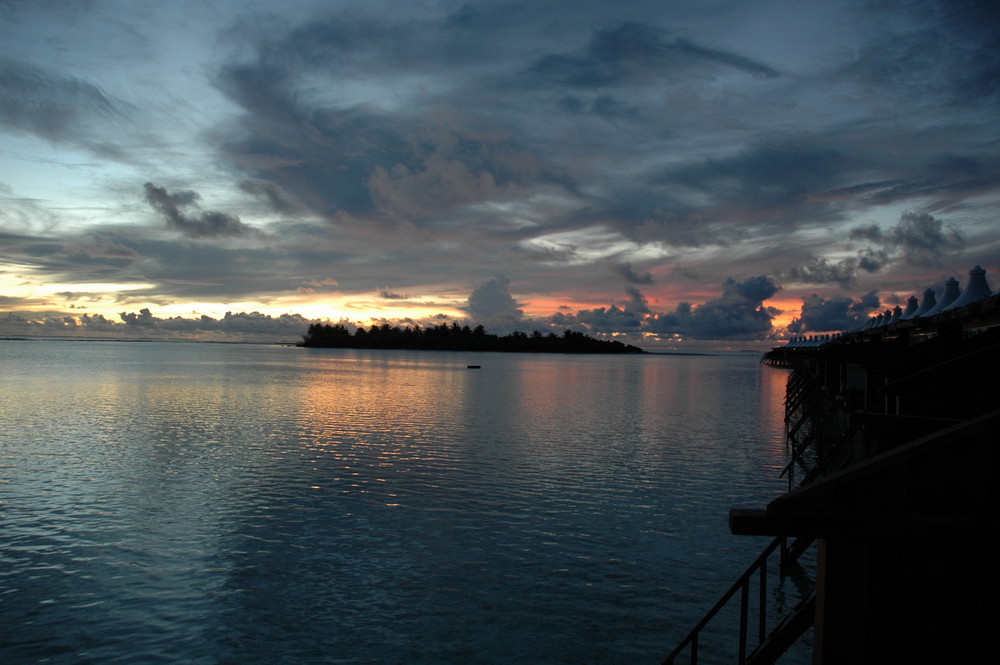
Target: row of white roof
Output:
[(952, 298)]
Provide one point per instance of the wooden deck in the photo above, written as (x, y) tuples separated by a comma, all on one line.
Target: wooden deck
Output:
[(894, 435)]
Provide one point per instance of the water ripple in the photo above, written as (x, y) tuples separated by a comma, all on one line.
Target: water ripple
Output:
[(216, 504)]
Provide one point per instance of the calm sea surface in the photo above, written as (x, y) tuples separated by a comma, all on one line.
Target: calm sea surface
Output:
[(203, 503)]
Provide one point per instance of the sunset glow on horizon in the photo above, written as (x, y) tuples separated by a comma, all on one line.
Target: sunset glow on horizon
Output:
[(718, 175)]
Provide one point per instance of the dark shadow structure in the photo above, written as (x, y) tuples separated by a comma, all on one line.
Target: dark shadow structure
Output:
[(894, 440)]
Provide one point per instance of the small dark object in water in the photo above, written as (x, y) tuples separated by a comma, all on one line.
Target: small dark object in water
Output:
[(473, 366)]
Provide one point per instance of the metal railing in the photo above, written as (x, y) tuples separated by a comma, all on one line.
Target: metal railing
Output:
[(742, 586)]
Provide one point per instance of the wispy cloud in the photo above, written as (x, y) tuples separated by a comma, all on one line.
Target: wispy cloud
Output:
[(60, 108), (694, 154)]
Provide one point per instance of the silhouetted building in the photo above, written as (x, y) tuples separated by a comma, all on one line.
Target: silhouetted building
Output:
[(894, 438)]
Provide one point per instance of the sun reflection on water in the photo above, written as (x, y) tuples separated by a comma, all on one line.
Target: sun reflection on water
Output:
[(264, 504)]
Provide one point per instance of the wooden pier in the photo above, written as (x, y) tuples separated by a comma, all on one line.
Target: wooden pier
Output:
[(894, 441)]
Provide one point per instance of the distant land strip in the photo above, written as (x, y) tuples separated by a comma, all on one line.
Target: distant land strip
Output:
[(453, 337)]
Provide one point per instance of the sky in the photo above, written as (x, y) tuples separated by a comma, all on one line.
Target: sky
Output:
[(679, 175)]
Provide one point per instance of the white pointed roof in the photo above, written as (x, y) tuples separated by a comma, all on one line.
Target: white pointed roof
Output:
[(926, 304), (975, 290), (951, 294), (911, 308)]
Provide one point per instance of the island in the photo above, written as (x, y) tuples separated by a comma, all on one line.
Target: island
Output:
[(444, 337)]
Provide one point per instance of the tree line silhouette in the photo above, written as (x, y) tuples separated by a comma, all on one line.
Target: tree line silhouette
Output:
[(444, 337)]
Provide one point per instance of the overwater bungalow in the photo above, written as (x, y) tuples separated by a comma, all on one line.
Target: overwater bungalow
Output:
[(893, 431)]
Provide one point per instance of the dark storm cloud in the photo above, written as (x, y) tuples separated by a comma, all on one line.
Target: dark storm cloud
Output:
[(436, 146), (631, 276), (763, 189), (617, 55), (492, 303), (608, 319), (412, 165), (821, 314), (629, 317), (648, 218), (738, 313), (924, 59), (844, 272), (59, 108), (924, 240), (822, 271), (320, 156), (637, 301), (365, 164), (448, 173), (362, 161), (770, 183), (197, 223), (918, 239), (337, 155)]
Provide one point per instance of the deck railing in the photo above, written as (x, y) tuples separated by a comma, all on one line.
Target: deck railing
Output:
[(752, 639)]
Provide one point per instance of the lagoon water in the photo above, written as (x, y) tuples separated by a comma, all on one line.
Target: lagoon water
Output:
[(208, 503)]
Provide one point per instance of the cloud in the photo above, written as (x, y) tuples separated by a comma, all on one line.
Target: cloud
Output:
[(276, 197), (22, 213), (91, 256), (930, 66), (607, 107), (918, 239), (869, 232), (844, 272), (738, 313), (625, 270), (637, 301), (241, 326), (924, 240), (442, 182), (369, 164), (430, 147), (775, 179), (108, 246), (198, 223), (59, 108), (605, 319), (610, 108), (634, 50), (821, 314), (628, 318), (246, 324), (492, 304)]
